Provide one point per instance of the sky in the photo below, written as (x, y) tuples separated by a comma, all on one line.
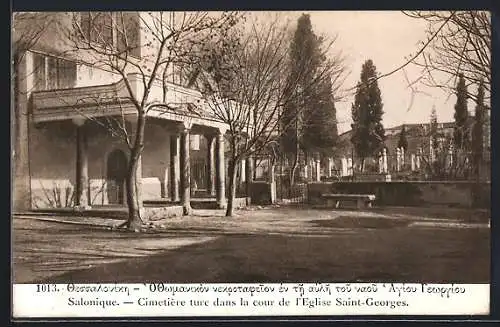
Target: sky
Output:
[(386, 37)]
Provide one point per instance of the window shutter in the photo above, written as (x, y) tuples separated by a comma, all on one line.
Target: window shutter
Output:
[(128, 33), (98, 27), (39, 83), (85, 24), (52, 79), (66, 74)]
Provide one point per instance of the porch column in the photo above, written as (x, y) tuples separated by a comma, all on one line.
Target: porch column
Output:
[(210, 164), (174, 167), (185, 170), (82, 166), (249, 173), (220, 171), (272, 180)]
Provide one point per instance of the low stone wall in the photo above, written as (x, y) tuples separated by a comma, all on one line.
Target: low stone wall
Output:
[(151, 188), (453, 194), (157, 213), (239, 203)]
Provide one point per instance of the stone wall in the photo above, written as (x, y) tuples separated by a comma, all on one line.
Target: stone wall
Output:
[(158, 213), (453, 194)]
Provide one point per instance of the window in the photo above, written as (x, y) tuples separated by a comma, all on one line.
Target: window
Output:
[(127, 33), (39, 70), (53, 73), (98, 27), (120, 30), (66, 73)]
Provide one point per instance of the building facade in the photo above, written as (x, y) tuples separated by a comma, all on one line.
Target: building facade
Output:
[(72, 114)]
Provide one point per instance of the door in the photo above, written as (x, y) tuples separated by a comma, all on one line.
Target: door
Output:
[(116, 173)]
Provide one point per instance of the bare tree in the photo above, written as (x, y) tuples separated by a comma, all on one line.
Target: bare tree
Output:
[(142, 49), (459, 42), (247, 89)]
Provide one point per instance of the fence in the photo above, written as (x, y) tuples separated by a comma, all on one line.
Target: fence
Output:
[(296, 193)]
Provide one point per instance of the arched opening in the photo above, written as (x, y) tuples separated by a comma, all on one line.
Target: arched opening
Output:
[(116, 172)]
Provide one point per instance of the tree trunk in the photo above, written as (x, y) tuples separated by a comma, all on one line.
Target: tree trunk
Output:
[(292, 173), (133, 195), (362, 168), (134, 221), (232, 187)]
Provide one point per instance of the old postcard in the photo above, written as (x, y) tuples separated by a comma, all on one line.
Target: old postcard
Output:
[(243, 163)]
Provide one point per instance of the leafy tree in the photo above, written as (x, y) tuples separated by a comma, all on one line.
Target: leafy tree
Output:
[(460, 135), (304, 55), (320, 133), (403, 142), (368, 133), (477, 133), (302, 119)]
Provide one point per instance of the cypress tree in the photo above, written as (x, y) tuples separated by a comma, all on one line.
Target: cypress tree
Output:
[(320, 132), (368, 134), (460, 135)]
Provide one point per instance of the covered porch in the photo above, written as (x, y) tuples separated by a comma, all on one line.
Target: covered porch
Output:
[(97, 160)]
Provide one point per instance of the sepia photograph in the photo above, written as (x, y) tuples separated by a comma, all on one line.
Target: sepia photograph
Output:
[(251, 147)]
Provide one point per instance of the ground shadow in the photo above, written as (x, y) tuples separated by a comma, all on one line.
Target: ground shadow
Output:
[(372, 255)]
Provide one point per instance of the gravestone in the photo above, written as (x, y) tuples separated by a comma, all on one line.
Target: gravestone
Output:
[(345, 169), (398, 159)]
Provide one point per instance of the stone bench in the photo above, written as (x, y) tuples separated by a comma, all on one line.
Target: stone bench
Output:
[(362, 200)]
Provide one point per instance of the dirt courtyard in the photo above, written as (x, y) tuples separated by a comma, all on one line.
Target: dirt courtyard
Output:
[(260, 245)]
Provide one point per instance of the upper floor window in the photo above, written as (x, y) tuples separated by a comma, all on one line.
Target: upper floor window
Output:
[(128, 33), (98, 27), (118, 30), (51, 73)]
